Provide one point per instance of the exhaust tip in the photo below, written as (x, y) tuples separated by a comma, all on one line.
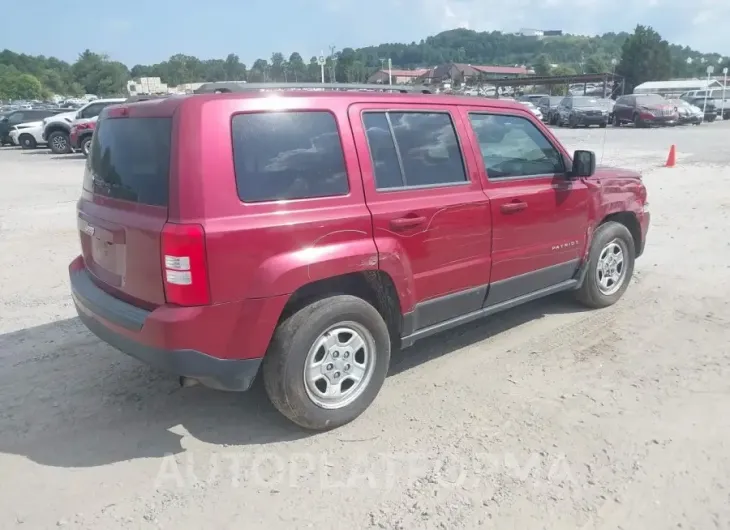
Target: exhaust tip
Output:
[(186, 382)]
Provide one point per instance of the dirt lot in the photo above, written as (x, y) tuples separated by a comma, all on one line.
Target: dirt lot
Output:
[(547, 416)]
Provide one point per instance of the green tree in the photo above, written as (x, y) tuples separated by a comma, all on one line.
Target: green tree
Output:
[(297, 68), (314, 72), (596, 65), (234, 70), (14, 85), (542, 65), (277, 66), (645, 56)]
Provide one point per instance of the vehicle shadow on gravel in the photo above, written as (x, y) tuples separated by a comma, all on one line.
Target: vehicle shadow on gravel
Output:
[(69, 400), (475, 332)]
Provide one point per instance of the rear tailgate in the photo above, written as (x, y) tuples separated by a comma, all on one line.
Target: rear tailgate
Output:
[(124, 206)]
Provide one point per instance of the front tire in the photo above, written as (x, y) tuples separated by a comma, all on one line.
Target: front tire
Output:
[(59, 143), (610, 266), (327, 362), (86, 146)]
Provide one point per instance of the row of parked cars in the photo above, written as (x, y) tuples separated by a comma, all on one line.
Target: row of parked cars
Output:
[(61, 130), (641, 110)]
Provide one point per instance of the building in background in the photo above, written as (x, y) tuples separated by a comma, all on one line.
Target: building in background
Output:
[(676, 87), (146, 86), (400, 77), (459, 73), (529, 32)]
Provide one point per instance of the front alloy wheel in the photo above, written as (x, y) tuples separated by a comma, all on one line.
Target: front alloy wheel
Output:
[(610, 270), (609, 267), (59, 143)]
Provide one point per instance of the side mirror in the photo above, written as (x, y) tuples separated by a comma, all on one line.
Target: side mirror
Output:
[(78, 115), (584, 164)]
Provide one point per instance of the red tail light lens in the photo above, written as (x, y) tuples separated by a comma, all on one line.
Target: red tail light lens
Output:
[(184, 265)]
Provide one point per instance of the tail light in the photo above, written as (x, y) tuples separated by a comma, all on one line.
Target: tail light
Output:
[(184, 264)]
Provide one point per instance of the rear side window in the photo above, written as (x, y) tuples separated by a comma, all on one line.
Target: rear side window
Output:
[(130, 160), (413, 149), (288, 155)]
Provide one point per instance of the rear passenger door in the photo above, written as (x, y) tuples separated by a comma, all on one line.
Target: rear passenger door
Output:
[(539, 216), (430, 216)]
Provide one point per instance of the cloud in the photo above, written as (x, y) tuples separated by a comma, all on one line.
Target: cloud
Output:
[(669, 17)]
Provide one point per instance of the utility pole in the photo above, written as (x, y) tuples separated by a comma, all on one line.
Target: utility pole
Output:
[(333, 77), (322, 61), (390, 71)]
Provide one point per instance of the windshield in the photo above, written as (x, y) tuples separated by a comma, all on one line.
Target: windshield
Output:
[(650, 99), (589, 102)]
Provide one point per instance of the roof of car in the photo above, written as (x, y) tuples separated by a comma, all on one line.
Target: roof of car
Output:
[(163, 106)]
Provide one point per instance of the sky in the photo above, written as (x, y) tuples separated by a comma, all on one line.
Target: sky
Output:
[(145, 32)]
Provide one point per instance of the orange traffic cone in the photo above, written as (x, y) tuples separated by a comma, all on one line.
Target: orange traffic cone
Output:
[(672, 158)]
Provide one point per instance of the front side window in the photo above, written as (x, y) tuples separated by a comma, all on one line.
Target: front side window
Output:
[(513, 147), (288, 155), (413, 149)]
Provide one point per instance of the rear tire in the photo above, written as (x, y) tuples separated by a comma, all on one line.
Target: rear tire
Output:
[(59, 143), (616, 121), (611, 242), (26, 141), (304, 344)]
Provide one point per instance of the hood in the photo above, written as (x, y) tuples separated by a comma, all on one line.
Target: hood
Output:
[(616, 173), (592, 108)]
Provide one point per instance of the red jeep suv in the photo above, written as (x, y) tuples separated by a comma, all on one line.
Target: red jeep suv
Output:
[(307, 233)]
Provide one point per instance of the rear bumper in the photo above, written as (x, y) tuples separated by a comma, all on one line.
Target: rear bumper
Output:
[(184, 341)]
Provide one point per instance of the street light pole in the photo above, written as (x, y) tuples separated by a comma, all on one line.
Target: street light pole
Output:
[(724, 85), (710, 69), (390, 71)]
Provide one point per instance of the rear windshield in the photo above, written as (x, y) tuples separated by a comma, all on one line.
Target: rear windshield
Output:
[(130, 160)]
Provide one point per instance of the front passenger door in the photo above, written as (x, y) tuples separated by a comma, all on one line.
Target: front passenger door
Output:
[(539, 216)]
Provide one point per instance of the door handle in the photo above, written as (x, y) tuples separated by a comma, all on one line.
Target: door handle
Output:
[(404, 223), (511, 207)]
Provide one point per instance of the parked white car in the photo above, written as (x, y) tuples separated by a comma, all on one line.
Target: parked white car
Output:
[(57, 130), (28, 135), (533, 108)]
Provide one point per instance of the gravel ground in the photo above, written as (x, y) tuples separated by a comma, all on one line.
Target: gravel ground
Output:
[(547, 416)]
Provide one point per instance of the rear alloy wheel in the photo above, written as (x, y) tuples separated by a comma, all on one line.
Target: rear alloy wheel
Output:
[(327, 362), (610, 266), (26, 141), (59, 143), (86, 146)]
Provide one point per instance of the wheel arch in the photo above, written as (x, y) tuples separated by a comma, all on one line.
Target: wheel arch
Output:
[(374, 286), (630, 221)]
